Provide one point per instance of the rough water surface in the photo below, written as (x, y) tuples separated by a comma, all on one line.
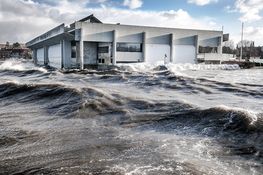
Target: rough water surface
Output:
[(135, 119)]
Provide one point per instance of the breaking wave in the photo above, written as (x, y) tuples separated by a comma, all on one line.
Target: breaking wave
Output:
[(137, 119), (146, 67), (20, 65)]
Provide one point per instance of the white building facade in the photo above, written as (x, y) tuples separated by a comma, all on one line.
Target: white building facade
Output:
[(90, 42)]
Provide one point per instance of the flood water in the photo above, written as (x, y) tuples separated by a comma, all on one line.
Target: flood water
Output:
[(135, 119)]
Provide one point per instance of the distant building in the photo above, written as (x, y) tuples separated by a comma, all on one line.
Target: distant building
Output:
[(2, 46), (15, 50), (91, 42)]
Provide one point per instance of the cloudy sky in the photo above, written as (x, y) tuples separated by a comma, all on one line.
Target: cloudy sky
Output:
[(21, 20)]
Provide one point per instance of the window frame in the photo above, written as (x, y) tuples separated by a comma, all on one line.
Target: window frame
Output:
[(128, 47)]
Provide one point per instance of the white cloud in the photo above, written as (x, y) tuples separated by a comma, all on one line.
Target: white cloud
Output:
[(229, 9), (250, 33), (133, 4), (254, 34), (23, 20), (250, 9), (201, 2)]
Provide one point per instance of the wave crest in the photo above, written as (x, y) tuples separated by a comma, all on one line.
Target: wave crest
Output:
[(147, 67), (20, 65)]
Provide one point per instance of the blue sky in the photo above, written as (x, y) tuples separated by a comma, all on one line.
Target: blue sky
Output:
[(21, 20)]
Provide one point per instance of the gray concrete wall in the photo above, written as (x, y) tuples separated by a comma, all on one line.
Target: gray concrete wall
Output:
[(156, 53), (90, 52), (55, 56), (149, 36), (67, 61), (132, 38), (78, 53), (40, 56), (186, 41), (129, 57), (160, 39), (106, 56), (212, 42), (35, 56), (155, 35), (50, 34)]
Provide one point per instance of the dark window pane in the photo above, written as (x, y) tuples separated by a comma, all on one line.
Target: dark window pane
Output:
[(207, 49), (122, 47), (103, 49), (129, 47), (73, 52), (73, 49)]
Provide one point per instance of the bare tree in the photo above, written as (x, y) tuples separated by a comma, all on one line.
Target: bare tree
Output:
[(249, 49), (230, 44), (229, 47), (246, 43)]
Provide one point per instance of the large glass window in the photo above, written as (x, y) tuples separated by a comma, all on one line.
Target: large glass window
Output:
[(207, 49), (129, 47)]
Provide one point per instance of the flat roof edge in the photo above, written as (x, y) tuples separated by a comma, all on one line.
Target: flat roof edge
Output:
[(34, 41), (128, 25)]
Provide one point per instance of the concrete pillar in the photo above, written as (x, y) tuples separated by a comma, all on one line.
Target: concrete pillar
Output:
[(219, 48), (77, 53), (81, 50), (46, 59), (114, 45), (144, 38), (35, 56), (62, 46), (197, 48), (171, 47)]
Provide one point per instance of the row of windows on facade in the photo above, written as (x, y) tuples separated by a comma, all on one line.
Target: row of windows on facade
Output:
[(121, 47), (136, 47)]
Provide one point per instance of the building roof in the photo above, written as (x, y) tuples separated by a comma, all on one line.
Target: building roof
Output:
[(91, 18)]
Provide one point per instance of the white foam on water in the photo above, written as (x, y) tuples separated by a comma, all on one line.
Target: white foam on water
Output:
[(11, 65), (148, 67), (188, 152), (253, 115), (187, 66), (138, 169), (20, 65), (139, 67), (176, 69)]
